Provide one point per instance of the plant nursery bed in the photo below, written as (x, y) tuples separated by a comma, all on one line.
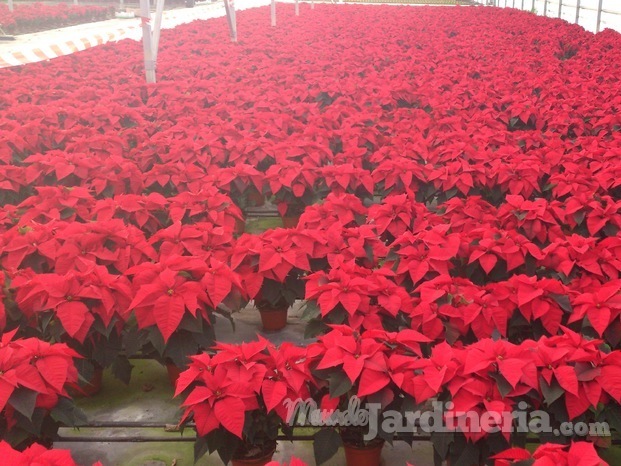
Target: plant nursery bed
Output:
[(35, 17), (428, 199)]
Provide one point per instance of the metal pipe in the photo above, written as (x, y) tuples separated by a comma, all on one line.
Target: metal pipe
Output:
[(599, 15), (273, 12), (149, 63), (157, 26), (560, 7), (577, 11), (545, 7), (299, 438)]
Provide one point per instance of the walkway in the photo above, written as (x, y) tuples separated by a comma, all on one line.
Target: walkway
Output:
[(45, 45)]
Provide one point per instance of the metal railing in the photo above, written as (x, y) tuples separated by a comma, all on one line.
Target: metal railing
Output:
[(591, 14)]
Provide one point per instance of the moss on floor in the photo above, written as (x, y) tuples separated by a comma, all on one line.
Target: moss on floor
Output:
[(261, 224), (148, 398)]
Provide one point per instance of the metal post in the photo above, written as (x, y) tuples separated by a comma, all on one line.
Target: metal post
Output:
[(577, 11), (229, 7), (149, 63), (532, 7), (599, 15), (312, 4), (545, 7), (157, 26), (297, 8), (513, 4), (10, 5), (560, 8), (273, 12), (522, 5)]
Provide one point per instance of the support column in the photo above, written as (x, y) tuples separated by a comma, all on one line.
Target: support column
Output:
[(599, 15)]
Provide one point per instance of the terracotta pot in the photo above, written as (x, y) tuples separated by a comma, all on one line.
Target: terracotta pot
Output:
[(240, 226), (92, 387), (261, 461), (274, 319), (256, 199), (363, 456), (173, 373), (448, 463), (290, 222)]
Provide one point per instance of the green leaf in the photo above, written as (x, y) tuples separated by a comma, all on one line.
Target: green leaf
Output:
[(315, 328), (200, 448), (339, 384), (562, 301), (504, 387), (122, 369), (441, 442), (23, 400), (311, 311), (326, 443), (468, 456), (551, 393), (579, 217), (68, 414)]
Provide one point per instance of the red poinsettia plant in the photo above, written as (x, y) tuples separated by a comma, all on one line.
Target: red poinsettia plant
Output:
[(37, 454), (551, 454), (175, 302), (34, 401), (237, 397), (271, 266), (86, 309), (352, 369)]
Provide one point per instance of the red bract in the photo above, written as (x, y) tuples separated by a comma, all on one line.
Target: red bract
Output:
[(37, 454), (550, 454), (601, 304), (75, 298), (164, 301), (342, 208), (363, 360), (533, 218), (426, 252)]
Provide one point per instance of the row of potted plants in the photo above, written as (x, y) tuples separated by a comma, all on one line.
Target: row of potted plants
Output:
[(35, 380), (36, 17), (548, 454), (440, 270), (241, 397)]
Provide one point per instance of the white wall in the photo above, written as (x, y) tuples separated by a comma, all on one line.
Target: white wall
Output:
[(610, 18)]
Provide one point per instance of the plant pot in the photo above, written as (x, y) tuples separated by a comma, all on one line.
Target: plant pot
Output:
[(255, 198), (259, 461), (370, 455), (240, 226), (273, 319), (290, 221), (173, 373)]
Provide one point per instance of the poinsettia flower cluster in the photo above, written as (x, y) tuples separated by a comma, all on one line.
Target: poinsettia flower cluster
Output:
[(34, 380), (451, 191), (550, 454), (44, 368), (490, 378), (38, 16), (37, 454), (243, 378)]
